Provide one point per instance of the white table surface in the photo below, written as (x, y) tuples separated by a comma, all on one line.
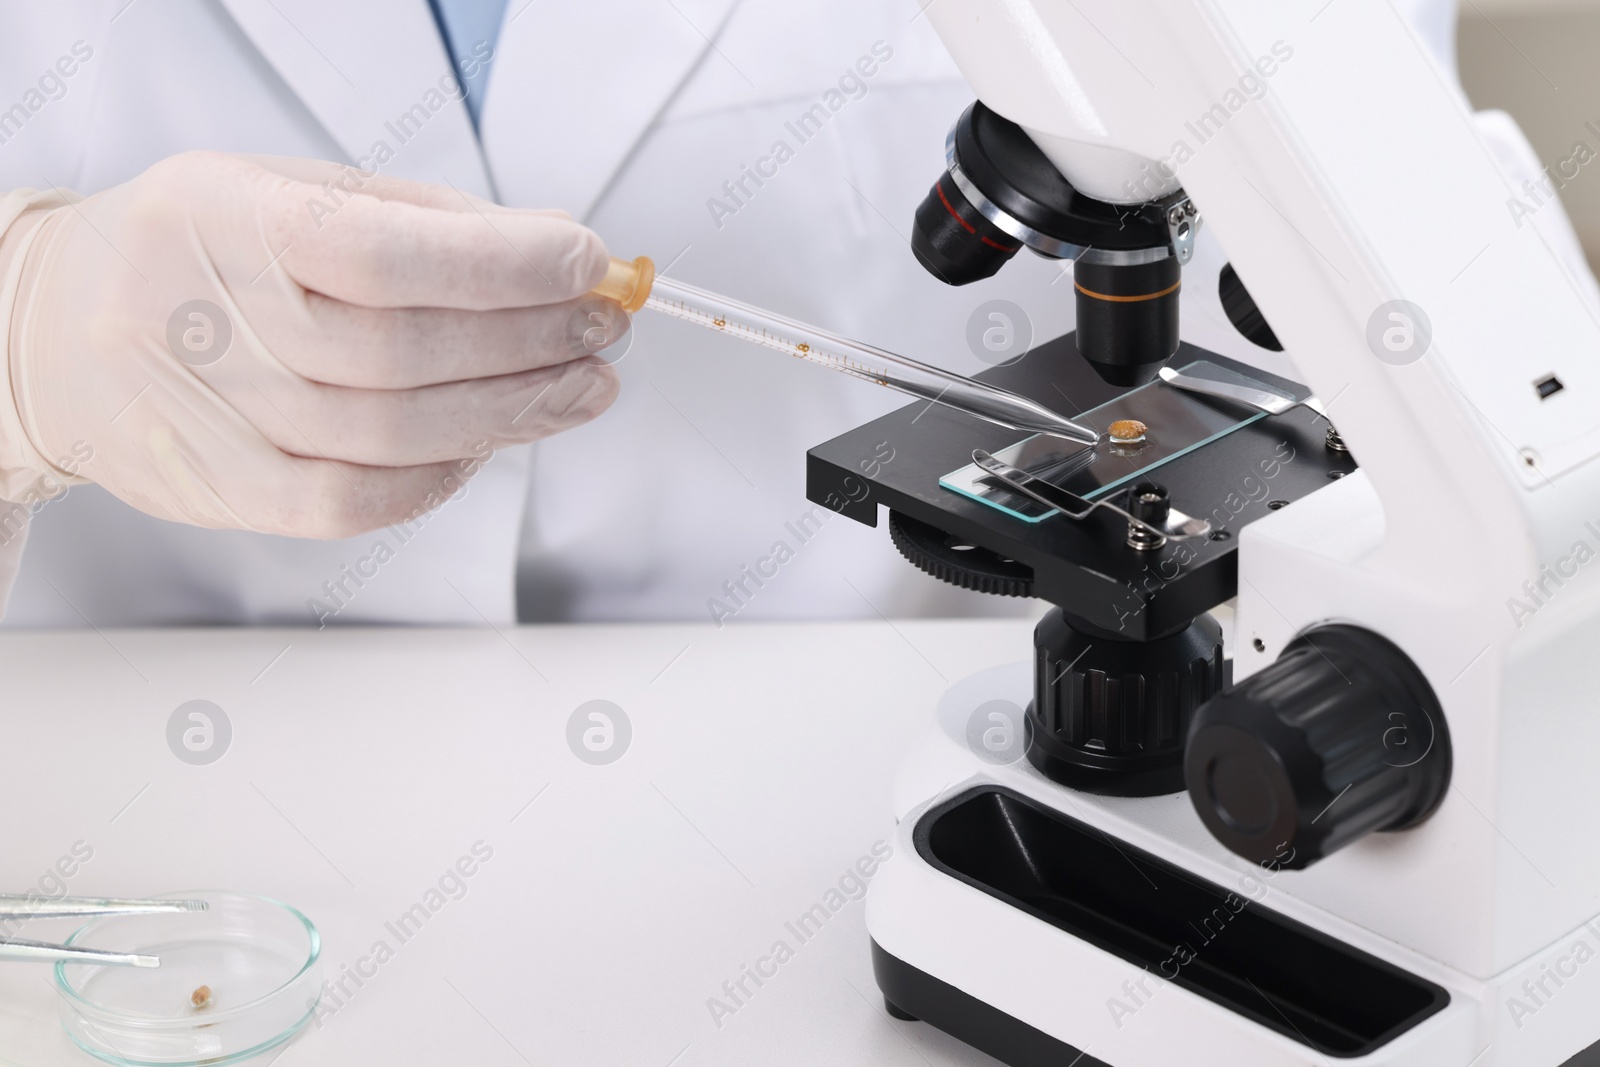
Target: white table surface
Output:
[(365, 762)]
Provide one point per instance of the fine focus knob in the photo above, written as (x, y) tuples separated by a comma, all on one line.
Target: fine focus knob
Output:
[(1340, 737)]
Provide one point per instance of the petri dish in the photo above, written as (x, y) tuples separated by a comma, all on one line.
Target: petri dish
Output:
[(260, 960)]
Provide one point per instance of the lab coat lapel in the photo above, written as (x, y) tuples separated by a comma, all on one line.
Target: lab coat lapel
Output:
[(576, 83), (376, 75)]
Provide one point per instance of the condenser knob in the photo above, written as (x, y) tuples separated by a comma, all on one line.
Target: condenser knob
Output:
[(1340, 737)]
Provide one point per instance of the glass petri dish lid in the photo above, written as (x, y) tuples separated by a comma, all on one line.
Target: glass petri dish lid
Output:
[(235, 981)]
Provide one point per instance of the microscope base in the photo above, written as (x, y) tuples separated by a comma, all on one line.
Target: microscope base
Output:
[(1014, 1042), (1044, 926), (984, 1027)]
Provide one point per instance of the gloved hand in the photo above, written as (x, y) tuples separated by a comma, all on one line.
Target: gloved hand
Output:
[(288, 346)]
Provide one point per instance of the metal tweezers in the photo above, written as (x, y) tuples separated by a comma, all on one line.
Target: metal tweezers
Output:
[(19, 908)]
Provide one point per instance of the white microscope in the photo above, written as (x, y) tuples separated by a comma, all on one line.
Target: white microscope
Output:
[(1374, 842)]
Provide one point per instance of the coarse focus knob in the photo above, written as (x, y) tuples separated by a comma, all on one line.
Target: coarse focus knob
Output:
[(1340, 737), (1110, 715)]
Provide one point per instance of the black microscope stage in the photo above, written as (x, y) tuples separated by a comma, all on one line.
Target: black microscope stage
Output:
[(1087, 568)]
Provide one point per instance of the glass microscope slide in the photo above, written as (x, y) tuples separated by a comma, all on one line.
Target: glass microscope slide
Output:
[(1176, 422)]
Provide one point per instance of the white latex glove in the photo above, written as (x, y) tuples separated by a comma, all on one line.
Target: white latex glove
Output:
[(366, 344)]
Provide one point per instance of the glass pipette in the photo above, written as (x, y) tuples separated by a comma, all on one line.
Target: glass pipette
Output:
[(635, 285)]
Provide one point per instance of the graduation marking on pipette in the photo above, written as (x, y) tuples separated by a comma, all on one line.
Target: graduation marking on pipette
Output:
[(635, 285)]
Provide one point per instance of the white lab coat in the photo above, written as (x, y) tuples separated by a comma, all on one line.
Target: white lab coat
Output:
[(622, 112)]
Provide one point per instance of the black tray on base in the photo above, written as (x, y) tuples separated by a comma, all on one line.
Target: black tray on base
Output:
[(1183, 930)]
